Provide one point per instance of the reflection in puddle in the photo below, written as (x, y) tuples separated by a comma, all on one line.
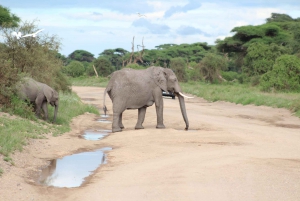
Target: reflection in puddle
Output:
[(103, 121), (95, 135), (70, 171)]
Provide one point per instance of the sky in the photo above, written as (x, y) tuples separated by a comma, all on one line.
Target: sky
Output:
[(97, 25)]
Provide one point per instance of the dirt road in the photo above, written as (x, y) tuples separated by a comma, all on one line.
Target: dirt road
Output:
[(232, 152)]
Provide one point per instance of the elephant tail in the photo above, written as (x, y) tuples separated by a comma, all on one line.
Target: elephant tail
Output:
[(104, 106)]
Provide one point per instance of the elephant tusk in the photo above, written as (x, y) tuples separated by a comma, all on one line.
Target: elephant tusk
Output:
[(185, 95)]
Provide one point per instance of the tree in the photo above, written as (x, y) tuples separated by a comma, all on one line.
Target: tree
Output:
[(284, 76), (115, 56), (74, 69), (34, 57), (103, 66), (280, 29), (277, 17), (81, 55), (8, 19), (260, 58)]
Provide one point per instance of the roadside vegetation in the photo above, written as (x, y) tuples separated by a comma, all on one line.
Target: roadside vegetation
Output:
[(16, 130), (257, 65), (243, 94)]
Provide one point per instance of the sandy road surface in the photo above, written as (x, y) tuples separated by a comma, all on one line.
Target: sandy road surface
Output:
[(231, 152)]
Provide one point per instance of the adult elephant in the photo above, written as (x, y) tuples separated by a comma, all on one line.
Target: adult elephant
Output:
[(139, 89), (38, 94)]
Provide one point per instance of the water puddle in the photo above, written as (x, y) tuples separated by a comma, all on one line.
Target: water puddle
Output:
[(103, 121), (104, 115), (95, 135), (71, 171)]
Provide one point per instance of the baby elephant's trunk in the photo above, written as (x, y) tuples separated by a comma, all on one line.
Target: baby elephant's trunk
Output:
[(55, 111)]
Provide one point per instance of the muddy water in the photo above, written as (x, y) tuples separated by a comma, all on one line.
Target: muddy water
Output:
[(71, 171)]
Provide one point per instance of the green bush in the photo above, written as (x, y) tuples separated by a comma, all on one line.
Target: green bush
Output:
[(135, 66), (74, 69), (260, 57), (193, 73), (285, 75), (254, 80), (211, 66), (103, 67), (179, 66), (230, 75), (21, 108), (32, 57)]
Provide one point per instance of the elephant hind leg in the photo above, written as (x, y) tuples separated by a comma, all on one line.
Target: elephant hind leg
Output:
[(141, 118), (117, 122), (120, 121)]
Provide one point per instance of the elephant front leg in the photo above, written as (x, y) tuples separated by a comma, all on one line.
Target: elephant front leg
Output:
[(37, 108), (45, 109), (141, 118), (159, 105), (160, 119)]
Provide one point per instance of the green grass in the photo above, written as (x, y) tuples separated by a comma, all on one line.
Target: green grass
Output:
[(89, 81), (243, 94), (15, 132)]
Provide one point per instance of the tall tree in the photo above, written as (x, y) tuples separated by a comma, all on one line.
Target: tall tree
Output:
[(7, 19), (115, 56), (81, 55), (103, 66)]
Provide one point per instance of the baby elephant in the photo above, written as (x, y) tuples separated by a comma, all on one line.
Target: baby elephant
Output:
[(39, 94)]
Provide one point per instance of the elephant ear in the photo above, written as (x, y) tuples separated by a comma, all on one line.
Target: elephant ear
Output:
[(48, 92), (159, 77)]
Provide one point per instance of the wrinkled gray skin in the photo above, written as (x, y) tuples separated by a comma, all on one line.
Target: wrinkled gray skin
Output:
[(139, 89), (38, 94)]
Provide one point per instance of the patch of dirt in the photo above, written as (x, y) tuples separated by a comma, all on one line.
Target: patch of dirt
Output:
[(232, 152)]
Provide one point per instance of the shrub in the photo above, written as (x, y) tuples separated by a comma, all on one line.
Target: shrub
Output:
[(193, 73), (178, 65), (230, 75), (134, 66), (103, 67), (74, 69), (260, 57), (285, 75), (211, 66), (33, 57)]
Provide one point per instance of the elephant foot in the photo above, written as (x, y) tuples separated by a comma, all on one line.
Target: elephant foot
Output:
[(122, 127), (116, 130), (139, 127), (160, 126)]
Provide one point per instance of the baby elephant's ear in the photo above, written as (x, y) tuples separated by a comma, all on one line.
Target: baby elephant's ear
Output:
[(48, 92), (159, 77)]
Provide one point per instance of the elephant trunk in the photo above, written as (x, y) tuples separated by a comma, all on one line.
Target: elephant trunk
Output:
[(183, 111), (55, 111)]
